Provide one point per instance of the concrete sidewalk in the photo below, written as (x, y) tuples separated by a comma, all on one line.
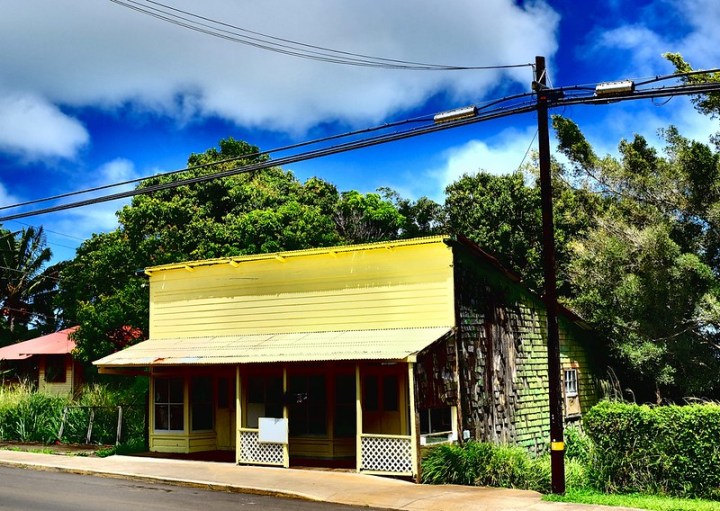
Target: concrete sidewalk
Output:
[(315, 485)]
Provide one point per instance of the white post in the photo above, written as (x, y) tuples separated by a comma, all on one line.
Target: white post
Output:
[(413, 424), (286, 447), (358, 419), (238, 414), (119, 426)]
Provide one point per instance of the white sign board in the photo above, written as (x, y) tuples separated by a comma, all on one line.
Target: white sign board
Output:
[(272, 430)]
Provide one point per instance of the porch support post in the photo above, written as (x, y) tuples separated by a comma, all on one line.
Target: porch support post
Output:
[(286, 447), (238, 413), (358, 419), (413, 420)]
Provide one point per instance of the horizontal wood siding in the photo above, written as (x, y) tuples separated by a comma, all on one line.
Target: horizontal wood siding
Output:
[(169, 443), (399, 287), (202, 442), (58, 389)]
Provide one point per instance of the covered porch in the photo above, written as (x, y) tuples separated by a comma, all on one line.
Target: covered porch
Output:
[(328, 399)]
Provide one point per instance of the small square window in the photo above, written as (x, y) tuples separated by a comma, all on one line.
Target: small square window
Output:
[(55, 369), (571, 382)]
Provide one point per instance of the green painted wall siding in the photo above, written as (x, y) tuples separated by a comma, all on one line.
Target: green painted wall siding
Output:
[(502, 352)]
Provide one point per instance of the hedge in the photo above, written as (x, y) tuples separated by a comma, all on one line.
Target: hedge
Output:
[(673, 450)]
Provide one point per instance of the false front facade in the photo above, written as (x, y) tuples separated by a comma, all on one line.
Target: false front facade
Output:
[(351, 356)]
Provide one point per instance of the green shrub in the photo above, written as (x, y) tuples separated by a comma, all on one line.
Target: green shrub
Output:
[(577, 444), (453, 464), (508, 467), (672, 450), (485, 464)]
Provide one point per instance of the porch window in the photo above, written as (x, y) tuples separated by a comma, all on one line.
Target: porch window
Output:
[(265, 396), (169, 397), (307, 405), (380, 394), (201, 395), (55, 369), (436, 420), (571, 382), (345, 410)]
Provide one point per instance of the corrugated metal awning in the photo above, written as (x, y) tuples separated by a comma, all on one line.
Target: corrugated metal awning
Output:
[(389, 344)]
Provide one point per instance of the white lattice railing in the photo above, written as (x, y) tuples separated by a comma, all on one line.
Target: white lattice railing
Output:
[(252, 451), (388, 454)]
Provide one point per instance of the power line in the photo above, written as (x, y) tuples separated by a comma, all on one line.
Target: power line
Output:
[(20, 271), (219, 162), (558, 100), (329, 138), (308, 155), (233, 33)]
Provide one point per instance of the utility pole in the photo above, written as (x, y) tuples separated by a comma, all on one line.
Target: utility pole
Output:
[(557, 444)]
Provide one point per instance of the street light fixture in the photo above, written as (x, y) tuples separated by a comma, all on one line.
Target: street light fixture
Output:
[(619, 88), (456, 114)]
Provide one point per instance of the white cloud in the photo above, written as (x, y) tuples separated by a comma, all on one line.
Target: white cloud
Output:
[(66, 229), (502, 154), (638, 47), (82, 54), (99, 217), (6, 197), (33, 128)]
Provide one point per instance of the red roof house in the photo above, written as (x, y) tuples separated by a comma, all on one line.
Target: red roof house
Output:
[(45, 361)]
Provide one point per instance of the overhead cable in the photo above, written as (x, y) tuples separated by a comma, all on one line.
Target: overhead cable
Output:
[(329, 138), (317, 153), (233, 33)]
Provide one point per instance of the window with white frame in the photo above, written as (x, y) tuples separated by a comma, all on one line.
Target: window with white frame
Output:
[(571, 382)]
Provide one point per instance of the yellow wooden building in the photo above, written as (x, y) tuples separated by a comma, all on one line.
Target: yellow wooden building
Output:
[(342, 356)]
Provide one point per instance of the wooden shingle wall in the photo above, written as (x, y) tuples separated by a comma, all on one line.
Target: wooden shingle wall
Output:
[(502, 358)]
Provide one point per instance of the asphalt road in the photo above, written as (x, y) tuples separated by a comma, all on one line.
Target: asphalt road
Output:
[(32, 490)]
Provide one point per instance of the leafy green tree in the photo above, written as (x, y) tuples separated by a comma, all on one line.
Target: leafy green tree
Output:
[(502, 214), (647, 274), (708, 104), (362, 218), (423, 217), (103, 288), (27, 282)]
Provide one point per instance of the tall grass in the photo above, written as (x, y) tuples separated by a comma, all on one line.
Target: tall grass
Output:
[(27, 415)]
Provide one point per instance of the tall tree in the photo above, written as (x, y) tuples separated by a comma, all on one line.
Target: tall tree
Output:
[(27, 282), (647, 274), (502, 214), (103, 290)]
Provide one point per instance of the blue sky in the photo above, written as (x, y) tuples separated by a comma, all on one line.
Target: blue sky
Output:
[(94, 93)]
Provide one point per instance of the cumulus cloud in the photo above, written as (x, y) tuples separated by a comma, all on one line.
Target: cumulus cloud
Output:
[(637, 46), (83, 54), (33, 128), (502, 154), (66, 229), (99, 217)]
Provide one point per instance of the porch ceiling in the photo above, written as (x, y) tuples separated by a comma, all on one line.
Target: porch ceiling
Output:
[(386, 344)]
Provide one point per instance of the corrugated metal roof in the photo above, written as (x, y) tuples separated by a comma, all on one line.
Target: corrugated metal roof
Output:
[(57, 343), (389, 344)]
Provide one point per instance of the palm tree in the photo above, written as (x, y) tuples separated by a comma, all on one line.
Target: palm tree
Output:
[(27, 284)]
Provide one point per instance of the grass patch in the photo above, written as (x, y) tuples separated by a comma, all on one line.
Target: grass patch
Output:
[(651, 502)]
